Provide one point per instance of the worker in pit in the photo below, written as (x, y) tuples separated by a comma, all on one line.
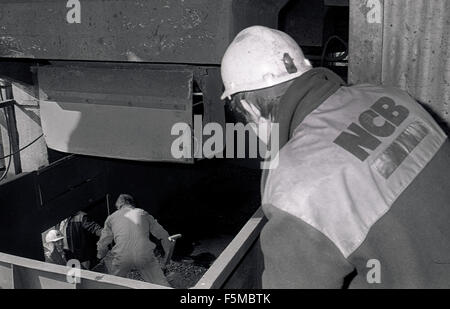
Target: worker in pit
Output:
[(130, 228), (361, 182), (81, 234), (54, 248)]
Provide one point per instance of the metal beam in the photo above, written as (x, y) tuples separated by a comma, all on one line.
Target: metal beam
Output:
[(172, 31), (22, 273), (115, 111), (11, 123), (7, 103)]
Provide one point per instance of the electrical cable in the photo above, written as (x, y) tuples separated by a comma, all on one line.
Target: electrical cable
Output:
[(333, 59), (23, 148)]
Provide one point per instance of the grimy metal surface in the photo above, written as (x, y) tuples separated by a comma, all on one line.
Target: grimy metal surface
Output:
[(365, 41), (416, 51), (173, 31), (124, 112), (403, 43)]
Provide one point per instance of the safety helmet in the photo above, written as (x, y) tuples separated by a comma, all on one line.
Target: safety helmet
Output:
[(261, 57), (53, 236)]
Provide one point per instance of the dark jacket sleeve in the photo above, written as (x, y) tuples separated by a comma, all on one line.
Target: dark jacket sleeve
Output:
[(297, 256), (91, 226)]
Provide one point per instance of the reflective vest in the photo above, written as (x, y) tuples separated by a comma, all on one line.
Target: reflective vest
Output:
[(350, 159)]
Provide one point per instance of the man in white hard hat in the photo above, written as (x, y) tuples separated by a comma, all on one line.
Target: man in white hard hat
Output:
[(130, 228), (362, 178), (54, 252)]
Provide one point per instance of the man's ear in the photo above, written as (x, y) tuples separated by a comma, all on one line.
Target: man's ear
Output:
[(252, 110)]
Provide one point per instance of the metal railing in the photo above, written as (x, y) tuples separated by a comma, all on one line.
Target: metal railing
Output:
[(22, 273)]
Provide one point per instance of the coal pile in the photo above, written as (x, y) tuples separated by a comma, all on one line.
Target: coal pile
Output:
[(180, 275)]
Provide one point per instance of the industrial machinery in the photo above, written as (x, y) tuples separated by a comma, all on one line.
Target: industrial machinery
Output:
[(113, 84), (108, 80)]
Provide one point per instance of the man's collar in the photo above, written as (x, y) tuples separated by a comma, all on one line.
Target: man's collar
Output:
[(307, 93)]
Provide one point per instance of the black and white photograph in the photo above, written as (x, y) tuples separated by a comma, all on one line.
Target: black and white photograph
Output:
[(236, 146)]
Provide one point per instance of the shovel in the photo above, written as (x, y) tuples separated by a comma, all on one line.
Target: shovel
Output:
[(173, 241)]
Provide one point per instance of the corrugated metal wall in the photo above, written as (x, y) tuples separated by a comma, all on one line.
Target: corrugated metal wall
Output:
[(416, 50), (414, 53)]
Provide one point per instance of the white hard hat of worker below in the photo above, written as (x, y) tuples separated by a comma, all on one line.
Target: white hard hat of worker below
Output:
[(261, 57), (53, 236)]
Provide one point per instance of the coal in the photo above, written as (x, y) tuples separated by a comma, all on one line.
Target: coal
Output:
[(180, 274)]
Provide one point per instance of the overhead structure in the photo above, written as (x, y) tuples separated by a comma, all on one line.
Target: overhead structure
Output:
[(111, 79), (141, 67)]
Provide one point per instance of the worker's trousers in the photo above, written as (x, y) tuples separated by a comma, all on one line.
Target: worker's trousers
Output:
[(149, 268)]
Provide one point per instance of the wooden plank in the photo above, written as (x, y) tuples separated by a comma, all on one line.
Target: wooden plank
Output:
[(227, 262), (366, 41)]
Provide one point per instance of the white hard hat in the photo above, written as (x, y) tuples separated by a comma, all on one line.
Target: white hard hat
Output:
[(53, 235), (260, 57)]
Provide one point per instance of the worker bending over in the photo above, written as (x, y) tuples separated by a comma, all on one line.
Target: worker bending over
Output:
[(130, 228), (362, 181), (80, 236)]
